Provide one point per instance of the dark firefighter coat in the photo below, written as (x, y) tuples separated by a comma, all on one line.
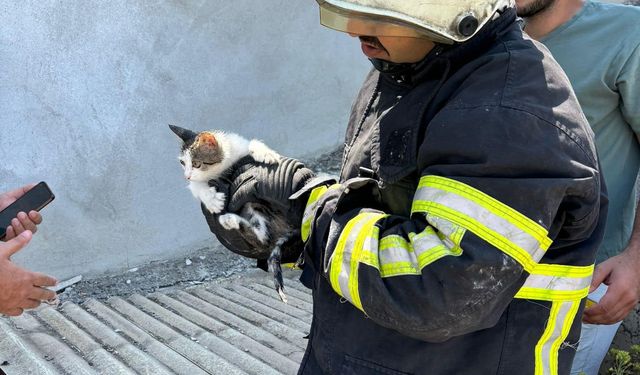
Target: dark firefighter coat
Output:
[(462, 237)]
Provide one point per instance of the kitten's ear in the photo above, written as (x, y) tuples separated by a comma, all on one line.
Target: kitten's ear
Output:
[(185, 134), (209, 139)]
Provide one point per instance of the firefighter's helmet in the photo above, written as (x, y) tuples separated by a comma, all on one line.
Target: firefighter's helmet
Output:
[(443, 21)]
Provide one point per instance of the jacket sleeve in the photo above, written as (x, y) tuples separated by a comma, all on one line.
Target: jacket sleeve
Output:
[(492, 196)]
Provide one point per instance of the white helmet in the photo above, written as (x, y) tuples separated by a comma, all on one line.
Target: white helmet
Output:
[(443, 21)]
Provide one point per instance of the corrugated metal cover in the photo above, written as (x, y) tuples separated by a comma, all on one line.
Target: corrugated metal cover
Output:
[(236, 326)]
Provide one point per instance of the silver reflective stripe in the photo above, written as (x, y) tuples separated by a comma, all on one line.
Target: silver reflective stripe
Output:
[(560, 320), (487, 218), (347, 252), (371, 245), (447, 228), (397, 256), (310, 210), (557, 283), (425, 242), (395, 250)]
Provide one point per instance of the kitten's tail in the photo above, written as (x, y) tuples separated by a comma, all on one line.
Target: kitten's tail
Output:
[(274, 263)]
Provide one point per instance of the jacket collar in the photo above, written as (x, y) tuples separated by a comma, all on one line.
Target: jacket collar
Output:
[(447, 58)]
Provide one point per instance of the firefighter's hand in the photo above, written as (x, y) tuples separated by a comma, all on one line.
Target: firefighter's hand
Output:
[(620, 274), (21, 289), (272, 185), (24, 221)]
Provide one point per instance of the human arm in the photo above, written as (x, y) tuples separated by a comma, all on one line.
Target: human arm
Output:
[(24, 221), (270, 185), (620, 273), (492, 194), (20, 289)]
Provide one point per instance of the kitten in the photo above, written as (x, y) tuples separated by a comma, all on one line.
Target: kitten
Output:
[(205, 156)]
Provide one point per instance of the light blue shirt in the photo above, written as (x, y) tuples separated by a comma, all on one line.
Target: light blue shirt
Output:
[(599, 50)]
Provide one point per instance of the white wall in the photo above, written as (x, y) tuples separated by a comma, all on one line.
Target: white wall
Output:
[(87, 89)]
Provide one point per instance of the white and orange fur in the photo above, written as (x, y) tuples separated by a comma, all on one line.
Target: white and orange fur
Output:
[(234, 147), (206, 156)]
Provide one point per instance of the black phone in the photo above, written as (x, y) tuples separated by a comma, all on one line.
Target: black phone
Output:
[(34, 199)]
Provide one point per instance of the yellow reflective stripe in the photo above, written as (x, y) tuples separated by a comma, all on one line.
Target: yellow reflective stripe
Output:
[(491, 204), (551, 282), (496, 239), (431, 247), (546, 352), (551, 295), (449, 233), (370, 254), (398, 257), (355, 258), (564, 271), (437, 253), (456, 237), (542, 361), (566, 327), (359, 243), (310, 209), (343, 265), (335, 262), (493, 221)]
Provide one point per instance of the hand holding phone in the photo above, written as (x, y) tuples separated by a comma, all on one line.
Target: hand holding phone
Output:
[(23, 202)]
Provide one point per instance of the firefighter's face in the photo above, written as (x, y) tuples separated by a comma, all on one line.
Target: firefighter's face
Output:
[(395, 48), (529, 8)]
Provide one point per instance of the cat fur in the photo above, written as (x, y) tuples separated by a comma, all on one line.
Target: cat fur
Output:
[(266, 232)]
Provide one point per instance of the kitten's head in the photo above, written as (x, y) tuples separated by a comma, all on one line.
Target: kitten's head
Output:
[(199, 155)]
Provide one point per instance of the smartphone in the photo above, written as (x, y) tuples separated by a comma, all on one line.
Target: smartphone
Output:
[(33, 200)]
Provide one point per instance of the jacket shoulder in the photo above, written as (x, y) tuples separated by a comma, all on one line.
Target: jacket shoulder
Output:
[(518, 79)]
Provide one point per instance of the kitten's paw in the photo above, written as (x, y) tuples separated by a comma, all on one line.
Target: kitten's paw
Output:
[(262, 153), (214, 201), (230, 221)]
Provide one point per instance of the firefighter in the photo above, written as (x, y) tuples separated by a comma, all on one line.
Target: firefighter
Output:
[(461, 236)]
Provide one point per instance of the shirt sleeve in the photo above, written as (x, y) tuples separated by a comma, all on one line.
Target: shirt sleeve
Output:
[(629, 89)]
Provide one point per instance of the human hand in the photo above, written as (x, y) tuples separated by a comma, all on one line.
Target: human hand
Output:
[(621, 275), (272, 184), (267, 184), (21, 289), (24, 221)]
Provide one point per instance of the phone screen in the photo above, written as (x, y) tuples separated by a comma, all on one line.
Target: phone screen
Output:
[(34, 199)]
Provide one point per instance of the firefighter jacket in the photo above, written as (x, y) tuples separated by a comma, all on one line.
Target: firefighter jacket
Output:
[(461, 238)]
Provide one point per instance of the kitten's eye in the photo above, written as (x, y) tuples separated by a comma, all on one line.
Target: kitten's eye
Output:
[(182, 162), (197, 164)]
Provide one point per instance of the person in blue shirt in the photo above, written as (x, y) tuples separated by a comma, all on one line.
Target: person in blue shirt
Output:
[(607, 84)]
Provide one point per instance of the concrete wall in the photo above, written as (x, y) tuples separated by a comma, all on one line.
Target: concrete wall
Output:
[(87, 89)]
